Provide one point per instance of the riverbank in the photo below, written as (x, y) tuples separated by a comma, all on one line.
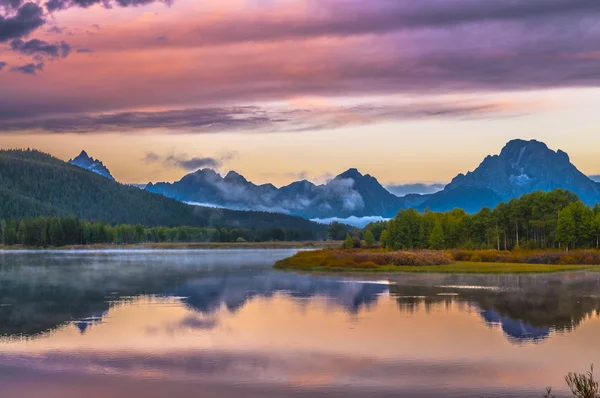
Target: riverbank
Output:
[(188, 246), (379, 261)]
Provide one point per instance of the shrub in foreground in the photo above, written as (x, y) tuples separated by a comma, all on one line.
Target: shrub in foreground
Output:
[(587, 257), (363, 259)]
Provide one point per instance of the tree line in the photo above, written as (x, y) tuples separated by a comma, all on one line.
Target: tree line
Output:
[(539, 220), (63, 231)]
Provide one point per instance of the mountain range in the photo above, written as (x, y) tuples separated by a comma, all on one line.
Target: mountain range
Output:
[(349, 194), (521, 167)]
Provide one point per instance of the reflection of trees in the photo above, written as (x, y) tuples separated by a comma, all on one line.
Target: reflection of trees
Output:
[(527, 307), (41, 292)]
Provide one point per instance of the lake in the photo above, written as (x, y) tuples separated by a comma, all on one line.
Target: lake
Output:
[(222, 323)]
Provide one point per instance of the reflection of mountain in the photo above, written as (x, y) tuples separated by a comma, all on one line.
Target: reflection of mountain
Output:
[(528, 308), (208, 294), (41, 292), (515, 329)]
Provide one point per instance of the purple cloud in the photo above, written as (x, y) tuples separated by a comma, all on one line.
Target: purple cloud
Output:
[(29, 69)]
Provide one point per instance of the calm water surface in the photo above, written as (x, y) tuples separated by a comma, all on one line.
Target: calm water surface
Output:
[(221, 323)]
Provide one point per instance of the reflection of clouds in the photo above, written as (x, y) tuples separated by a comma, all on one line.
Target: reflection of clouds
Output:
[(294, 369), (189, 322), (194, 322)]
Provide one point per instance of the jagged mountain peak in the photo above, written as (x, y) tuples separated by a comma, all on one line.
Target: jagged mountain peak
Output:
[(350, 173), (235, 177), (521, 167), (84, 161)]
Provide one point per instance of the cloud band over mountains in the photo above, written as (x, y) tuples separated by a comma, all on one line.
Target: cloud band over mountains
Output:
[(192, 56), (252, 119)]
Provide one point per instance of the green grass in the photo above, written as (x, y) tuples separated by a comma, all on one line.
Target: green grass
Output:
[(456, 268)]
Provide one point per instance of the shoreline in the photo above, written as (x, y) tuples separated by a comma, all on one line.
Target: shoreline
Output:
[(181, 246), (459, 268)]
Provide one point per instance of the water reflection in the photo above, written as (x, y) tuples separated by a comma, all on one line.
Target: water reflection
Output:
[(528, 308), (42, 291), (225, 317)]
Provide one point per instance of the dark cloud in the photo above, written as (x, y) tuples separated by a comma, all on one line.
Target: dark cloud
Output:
[(185, 162), (2, 65), (55, 5), (29, 69), (11, 4), (343, 18), (84, 50), (56, 29), (252, 118), (28, 18), (40, 47), (193, 163)]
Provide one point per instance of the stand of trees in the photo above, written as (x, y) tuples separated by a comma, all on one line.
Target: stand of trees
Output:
[(62, 231), (540, 220)]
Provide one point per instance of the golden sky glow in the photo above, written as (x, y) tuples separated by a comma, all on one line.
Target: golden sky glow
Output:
[(320, 92)]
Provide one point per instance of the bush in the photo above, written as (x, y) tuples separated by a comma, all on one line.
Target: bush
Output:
[(587, 257)]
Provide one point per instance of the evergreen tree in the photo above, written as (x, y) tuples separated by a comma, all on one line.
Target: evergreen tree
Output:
[(10, 233), (22, 232)]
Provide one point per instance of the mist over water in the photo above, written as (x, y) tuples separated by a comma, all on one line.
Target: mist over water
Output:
[(173, 323)]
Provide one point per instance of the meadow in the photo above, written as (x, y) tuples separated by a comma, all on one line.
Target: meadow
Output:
[(441, 261)]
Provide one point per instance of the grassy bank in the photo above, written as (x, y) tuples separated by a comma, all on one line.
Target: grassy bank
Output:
[(188, 245), (360, 260)]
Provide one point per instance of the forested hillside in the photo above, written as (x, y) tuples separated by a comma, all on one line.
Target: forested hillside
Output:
[(34, 184)]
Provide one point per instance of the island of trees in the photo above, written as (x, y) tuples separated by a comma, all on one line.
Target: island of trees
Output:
[(538, 229)]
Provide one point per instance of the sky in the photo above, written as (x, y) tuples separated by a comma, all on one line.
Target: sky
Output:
[(279, 90)]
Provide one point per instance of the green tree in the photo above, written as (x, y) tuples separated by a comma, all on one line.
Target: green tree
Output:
[(348, 243), (10, 233), (565, 229), (369, 238), (383, 238), (336, 231), (56, 236), (596, 229), (436, 239), (22, 232)]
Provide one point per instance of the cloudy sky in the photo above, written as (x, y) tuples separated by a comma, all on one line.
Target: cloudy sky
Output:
[(408, 91)]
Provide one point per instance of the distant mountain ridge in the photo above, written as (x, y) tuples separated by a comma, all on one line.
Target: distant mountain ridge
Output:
[(521, 167), (86, 162), (349, 194)]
